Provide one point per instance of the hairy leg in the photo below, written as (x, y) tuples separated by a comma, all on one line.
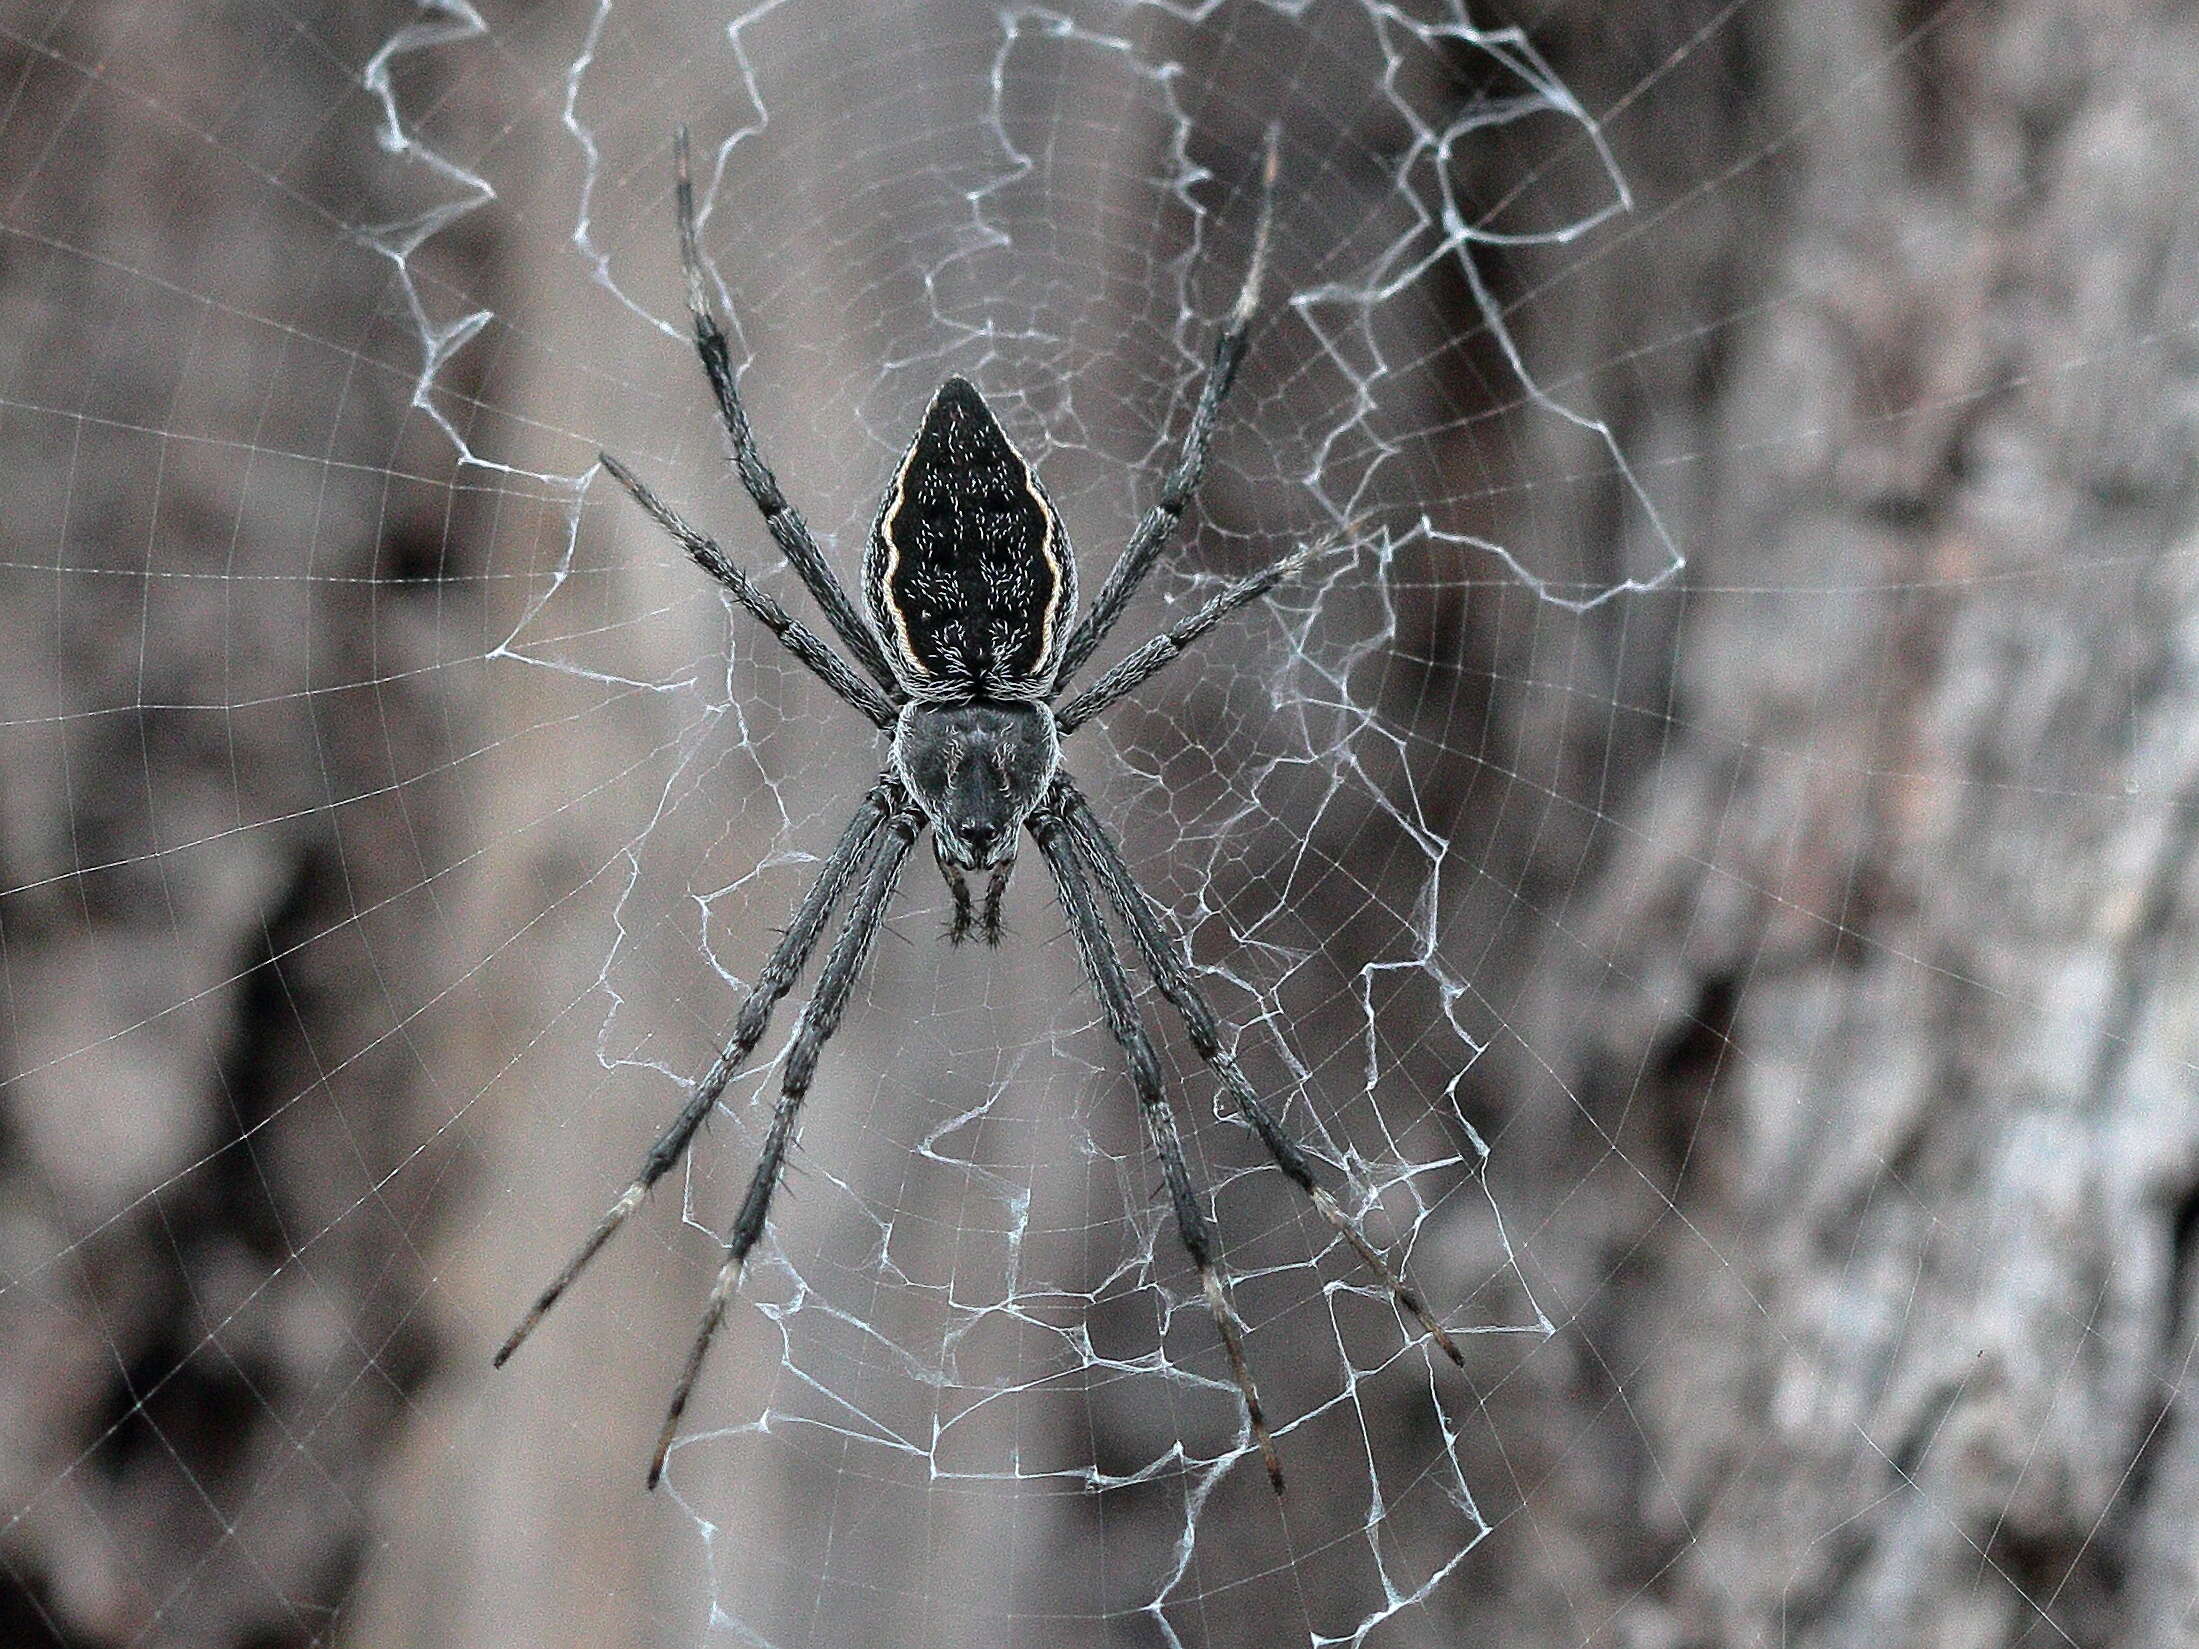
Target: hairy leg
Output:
[(1165, 960), (819, 1020), (780, 970), (1153, 533), (1104, 969), (803, 642), (784, 522), (1164, 649)]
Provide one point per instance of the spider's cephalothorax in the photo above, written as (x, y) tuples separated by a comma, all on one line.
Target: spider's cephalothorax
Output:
[(977, 770), (961, 668)]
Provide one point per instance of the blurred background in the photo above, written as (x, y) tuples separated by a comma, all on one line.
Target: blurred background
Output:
[(1755, 996)]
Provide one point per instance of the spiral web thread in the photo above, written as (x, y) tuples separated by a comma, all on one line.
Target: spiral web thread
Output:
[(972, 1310), (925, 1317)]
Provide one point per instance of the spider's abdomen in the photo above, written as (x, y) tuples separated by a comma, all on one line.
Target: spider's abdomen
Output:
[(969, 574)]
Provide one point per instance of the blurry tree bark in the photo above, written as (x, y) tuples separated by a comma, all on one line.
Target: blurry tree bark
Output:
[(1858, 1135), (225, 824)]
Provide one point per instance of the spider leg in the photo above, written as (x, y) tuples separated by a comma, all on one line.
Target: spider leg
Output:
[(1130, 671), (958, 929), (1166, 961), (780, 970), (996, 890), (819, 1020), (1182, 485), (803, 642), (966, 913), (784, 521), (1105, 971)]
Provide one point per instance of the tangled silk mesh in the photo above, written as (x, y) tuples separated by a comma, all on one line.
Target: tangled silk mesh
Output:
[(971, 1305)]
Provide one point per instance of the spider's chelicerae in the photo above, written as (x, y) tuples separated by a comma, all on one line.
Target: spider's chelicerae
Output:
[(972, 639)]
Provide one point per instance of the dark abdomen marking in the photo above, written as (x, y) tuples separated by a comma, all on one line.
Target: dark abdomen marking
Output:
[(969, 573)]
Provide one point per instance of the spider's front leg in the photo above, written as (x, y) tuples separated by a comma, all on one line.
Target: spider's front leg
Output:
[(776, 978), (1103, 968), (1169, 964), (843, 965), (968, 914)]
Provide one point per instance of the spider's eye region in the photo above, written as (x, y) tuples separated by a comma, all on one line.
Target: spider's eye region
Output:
[(977, 770)]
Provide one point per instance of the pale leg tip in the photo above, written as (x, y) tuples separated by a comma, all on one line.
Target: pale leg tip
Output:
[(514, 1340)]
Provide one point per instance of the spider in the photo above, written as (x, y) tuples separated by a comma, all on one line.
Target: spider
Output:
[(971, 642)]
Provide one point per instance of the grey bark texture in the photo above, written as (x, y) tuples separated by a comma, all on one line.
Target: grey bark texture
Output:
[(1873, 1037), (225, 832), (1832, 908)]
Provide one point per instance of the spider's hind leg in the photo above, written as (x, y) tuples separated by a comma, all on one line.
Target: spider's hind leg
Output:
[(784, 522), (1181, 485)]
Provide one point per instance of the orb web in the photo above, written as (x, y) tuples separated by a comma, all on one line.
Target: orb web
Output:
[(971, 1315), (970, 1390)]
